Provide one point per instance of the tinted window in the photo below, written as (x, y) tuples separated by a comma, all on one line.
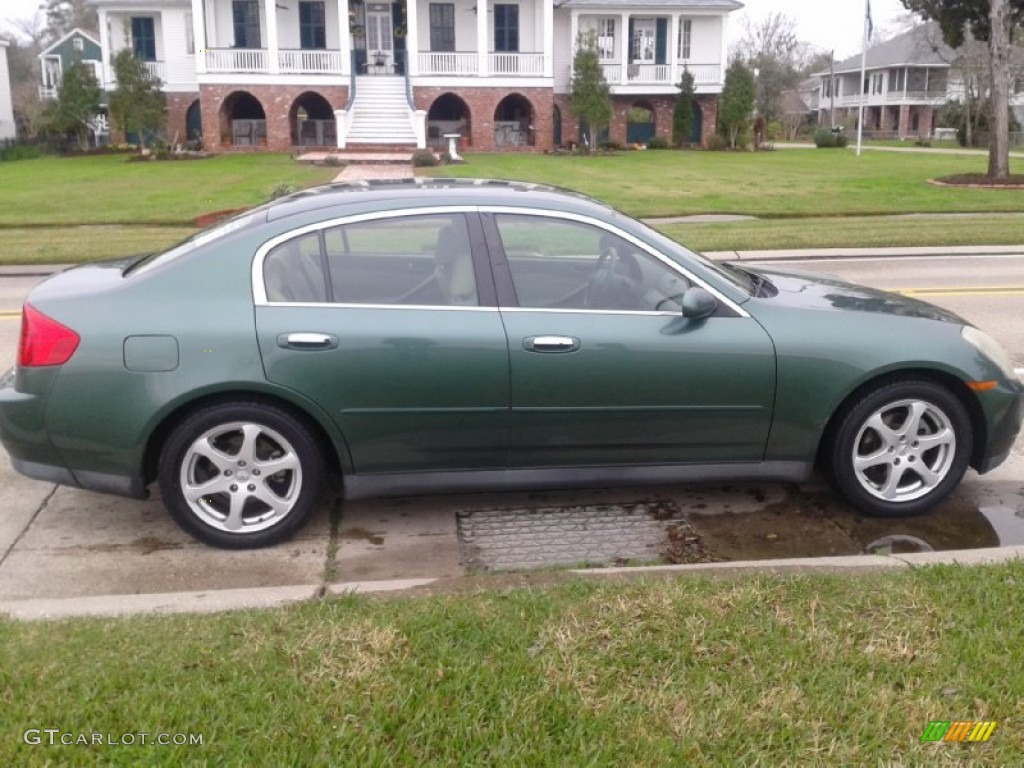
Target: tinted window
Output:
[(423, 260), (293, 271), (559, 264)]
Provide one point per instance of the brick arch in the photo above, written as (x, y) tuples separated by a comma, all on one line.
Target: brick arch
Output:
[(240, 106), (445, 112), (311, 106), (513, 121)]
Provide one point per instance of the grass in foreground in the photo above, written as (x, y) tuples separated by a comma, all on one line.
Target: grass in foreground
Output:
[(802, 670), (785, 183), (107, 189)]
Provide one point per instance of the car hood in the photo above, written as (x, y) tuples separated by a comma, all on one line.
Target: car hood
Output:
[(809, 290)]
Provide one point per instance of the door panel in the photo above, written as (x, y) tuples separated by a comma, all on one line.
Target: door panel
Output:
[(604, 368), (392, 340), (639, 389), (411, 389)]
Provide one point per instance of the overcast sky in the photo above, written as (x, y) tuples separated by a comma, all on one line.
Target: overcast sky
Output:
[(828, 23)]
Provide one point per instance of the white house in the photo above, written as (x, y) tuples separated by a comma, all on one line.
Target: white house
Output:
[(7, 127), (283, 73)]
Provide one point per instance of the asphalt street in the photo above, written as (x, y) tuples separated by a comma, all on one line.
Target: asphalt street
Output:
[(65, 543)]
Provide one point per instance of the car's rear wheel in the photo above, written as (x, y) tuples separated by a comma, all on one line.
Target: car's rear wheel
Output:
[(241, 476), (901, 448)]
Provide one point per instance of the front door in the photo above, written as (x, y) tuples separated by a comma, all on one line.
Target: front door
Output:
[(394, 339), (380, 44), (604, 367)]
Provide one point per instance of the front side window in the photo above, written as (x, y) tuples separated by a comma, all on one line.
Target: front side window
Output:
[(312, 26), (506, 27), (561, 264), (246, 17), (143, 38)]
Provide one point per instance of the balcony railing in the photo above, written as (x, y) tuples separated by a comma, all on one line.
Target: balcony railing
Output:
[(236, 60), (448, 63), (892, 97), (309, 62), (529, 64), (155, 69), (661, 74)]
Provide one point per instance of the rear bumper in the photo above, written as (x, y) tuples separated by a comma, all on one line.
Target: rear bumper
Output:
[(24, 435)]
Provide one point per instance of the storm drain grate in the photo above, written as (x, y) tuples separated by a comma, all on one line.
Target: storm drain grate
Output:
[(506, 539)]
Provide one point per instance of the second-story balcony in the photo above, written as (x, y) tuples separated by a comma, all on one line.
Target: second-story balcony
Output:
[(661, 74), (258, 61)]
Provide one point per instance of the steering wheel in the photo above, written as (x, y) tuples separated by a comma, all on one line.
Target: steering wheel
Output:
[(611, 269)]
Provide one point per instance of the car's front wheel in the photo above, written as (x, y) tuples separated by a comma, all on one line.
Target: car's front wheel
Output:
[(241, 476), (901, 448)]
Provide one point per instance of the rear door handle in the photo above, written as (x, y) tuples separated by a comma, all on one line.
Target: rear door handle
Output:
[(549, 344), (310, 341)]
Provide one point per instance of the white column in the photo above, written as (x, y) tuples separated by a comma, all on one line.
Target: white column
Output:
[(548, 36), (574, 33), (673, 50), (104, 46), (626, 44), (273, 60), (344, 38), (199, 35), (724, 58), (482, 43), (412, 38)]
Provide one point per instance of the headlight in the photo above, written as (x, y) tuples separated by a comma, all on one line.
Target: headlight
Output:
[(990, 348)]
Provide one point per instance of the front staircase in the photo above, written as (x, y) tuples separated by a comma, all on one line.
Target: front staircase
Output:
[(381, 116)]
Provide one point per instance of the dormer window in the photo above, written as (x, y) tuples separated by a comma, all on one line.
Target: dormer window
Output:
[(78, 43)]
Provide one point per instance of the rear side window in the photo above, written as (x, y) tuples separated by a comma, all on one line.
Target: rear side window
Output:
[(421, 260), (294, 272)]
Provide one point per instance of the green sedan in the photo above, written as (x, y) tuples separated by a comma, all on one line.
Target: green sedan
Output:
[(442, 335)]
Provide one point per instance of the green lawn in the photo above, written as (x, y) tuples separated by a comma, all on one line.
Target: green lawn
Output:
[(784, 183), (106, 189), (687, 671)]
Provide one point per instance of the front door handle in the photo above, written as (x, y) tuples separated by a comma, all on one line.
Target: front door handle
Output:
[(548, 344), (311, 341)]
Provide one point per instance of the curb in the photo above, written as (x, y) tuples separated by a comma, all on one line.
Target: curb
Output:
[(207, 601), (212, 601)]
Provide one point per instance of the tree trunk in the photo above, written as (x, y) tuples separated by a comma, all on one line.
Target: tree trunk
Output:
[(999, 47)]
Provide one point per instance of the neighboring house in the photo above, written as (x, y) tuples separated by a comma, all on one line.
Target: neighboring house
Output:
[(284, 73), (7, 126), (76, 45), (906, 81)]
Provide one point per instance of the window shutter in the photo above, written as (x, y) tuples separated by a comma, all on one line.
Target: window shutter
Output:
[(661, 41)]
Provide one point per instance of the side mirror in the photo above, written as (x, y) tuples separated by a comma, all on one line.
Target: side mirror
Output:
[(698, 303)]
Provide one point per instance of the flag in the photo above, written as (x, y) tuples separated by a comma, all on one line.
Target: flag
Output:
[(867, 13)]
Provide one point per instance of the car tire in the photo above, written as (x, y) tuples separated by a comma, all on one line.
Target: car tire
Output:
[(241, 475), (900, 448)]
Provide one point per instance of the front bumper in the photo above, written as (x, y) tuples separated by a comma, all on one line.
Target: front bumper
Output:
[(1004, 410)]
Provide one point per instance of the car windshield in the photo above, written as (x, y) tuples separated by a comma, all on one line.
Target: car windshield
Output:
[(737, 277), (201, 238)]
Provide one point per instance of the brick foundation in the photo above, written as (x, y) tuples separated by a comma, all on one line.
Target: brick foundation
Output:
[(662, 106), (175, 108), (277, 102), (482, 103)]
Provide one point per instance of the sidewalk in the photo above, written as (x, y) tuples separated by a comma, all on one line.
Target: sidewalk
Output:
[(796, 254)]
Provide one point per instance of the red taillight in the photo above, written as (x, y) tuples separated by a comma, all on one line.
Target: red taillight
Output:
[(44, 341)]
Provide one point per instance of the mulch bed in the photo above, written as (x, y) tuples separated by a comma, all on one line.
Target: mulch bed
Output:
[(979, 181), (206, 219)]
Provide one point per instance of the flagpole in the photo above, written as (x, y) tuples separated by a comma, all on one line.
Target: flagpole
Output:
[(863, 72)]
